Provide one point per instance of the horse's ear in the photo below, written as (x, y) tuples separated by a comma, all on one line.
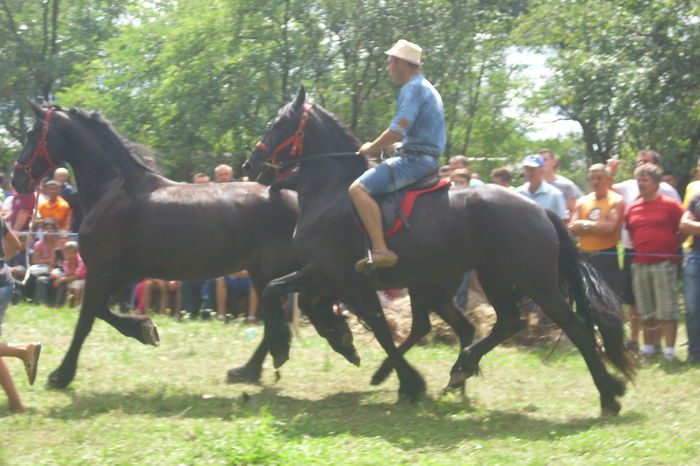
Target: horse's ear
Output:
[(301, 97), (38, 110)]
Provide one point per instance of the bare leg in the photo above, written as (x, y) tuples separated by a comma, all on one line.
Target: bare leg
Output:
[(635, 324), (252, 305), (652, 335), (221, 296), (8, 385), (668, 330), (371, 217), (174, 287), (162, 286), (147, 297)]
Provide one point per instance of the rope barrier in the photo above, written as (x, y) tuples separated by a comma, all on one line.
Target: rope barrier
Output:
[(648, 254)]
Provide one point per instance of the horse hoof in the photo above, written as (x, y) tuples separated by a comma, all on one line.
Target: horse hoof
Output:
[(457, 378), (381, 374), (353, 358), (410, 397), (611, 409), (149, 332), (278, 360), (56, 381), (242, 375), (460, 387)]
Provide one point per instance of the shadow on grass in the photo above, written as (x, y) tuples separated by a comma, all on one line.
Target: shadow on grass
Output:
[(439, 423)]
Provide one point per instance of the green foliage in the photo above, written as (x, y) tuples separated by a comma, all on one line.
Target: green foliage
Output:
[(199, 83), (40, 45), (627, 72)]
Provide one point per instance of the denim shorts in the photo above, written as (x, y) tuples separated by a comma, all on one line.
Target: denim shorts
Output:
[(5, 298), (407, 169)]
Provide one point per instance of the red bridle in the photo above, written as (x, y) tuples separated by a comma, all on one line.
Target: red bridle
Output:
[(296, 140), (41, 151)]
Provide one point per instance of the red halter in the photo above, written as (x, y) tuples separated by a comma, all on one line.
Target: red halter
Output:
[(296, 140), (41, 151)]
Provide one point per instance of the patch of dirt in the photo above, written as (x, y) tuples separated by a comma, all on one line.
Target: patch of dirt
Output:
[(479, 312)]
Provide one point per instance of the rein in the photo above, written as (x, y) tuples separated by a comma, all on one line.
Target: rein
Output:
[(293, 163), (42, 150), (296, 140), (283, 169)]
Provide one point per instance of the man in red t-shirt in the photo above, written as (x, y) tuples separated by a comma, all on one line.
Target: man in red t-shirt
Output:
[(652, 221)]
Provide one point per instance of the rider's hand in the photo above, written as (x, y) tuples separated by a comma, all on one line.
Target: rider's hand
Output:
[(366, 150)]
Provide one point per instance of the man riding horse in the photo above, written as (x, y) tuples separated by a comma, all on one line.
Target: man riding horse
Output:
[(419, 124)]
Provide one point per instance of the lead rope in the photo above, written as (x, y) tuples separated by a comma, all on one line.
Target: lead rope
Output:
[(29, 237)]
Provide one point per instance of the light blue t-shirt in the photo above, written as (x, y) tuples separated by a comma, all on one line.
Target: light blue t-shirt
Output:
[(548, 197), (420, 104)]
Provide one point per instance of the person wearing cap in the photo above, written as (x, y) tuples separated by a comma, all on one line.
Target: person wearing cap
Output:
[(568, 188), (419, 124), (539, 190)]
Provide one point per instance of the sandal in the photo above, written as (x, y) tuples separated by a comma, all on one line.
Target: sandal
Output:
[(32, 366), (379, 260)]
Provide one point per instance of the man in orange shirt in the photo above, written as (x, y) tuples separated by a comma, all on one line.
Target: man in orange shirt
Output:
[(597, 220), (55, 206)]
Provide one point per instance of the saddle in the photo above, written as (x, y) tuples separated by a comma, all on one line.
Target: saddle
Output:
[(396, 206)]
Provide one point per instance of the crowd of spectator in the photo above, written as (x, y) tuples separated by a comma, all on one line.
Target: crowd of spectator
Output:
[(641, 219), (48, 268)]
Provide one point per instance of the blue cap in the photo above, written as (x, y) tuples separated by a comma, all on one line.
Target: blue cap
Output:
[(533, 160)]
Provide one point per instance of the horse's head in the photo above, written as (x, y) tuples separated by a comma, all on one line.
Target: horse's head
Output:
[(43, 150), (282, 146)]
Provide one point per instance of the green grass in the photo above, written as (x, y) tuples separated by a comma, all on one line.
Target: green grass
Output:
[(133, 404)]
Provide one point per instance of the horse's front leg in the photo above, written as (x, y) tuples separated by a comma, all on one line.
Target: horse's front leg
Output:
[(366, 304), (95, 305), (276, 329)]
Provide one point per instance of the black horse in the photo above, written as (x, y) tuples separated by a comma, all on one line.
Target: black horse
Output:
[(517, 248), (140, 224)]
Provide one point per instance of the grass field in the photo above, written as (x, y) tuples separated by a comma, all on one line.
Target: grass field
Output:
[(133, 404)]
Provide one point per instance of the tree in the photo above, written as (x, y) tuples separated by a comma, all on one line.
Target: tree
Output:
[(627, 72), (42, 42)]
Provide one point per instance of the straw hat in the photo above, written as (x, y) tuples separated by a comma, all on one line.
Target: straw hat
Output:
[(406, 50)]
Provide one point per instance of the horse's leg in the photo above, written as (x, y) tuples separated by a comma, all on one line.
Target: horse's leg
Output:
[(558, 309), (95, 305), (276, 329), (420, 327), (366, 304), (329, 325), (423, 300), (251, 371), (502, 296)]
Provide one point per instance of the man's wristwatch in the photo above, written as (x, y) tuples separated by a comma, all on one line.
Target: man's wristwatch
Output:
[(586, 225)]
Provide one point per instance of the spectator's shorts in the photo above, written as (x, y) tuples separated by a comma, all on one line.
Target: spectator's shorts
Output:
[(76, 285), (656, 290), (5, 298), (238, 286)]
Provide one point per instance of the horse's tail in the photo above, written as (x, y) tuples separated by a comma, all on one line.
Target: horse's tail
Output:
[(595, 301)]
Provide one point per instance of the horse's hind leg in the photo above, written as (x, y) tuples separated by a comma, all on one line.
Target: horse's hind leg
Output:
[(366, 305), (581, 335), (420, 327), (438, 299), (502, 296)]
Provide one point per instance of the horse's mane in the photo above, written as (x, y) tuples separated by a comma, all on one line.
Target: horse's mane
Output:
[(123, 145), (344, 133)]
